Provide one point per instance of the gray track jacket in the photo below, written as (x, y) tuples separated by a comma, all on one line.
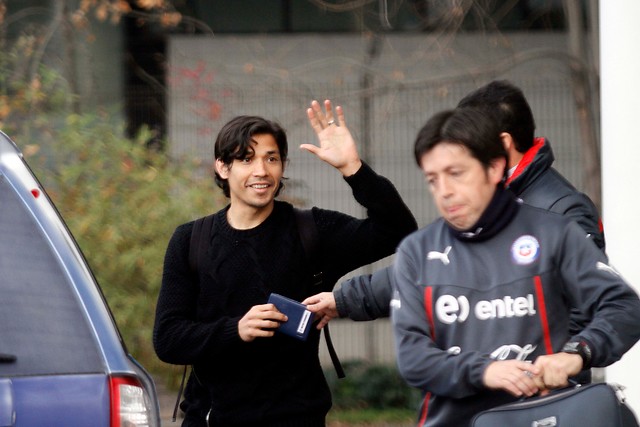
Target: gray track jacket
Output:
[(458, 306)]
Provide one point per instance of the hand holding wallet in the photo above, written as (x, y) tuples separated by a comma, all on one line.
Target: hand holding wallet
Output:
[(300, 319)]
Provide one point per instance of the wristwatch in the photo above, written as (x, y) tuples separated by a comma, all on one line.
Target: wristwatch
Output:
[(582, 349)]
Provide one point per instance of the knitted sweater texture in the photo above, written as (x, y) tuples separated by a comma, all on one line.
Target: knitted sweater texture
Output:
[(274, 381)]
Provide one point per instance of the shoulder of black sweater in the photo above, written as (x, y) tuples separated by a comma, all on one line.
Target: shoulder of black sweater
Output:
[(183, 231)]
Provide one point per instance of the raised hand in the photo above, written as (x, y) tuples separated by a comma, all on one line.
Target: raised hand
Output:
[(336, 145)]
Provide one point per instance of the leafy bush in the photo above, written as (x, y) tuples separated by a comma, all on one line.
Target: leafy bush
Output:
[(371, 386), (371, 418), (122, 202)]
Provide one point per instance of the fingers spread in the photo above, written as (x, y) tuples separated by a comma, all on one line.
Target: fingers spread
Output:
[(313, 120), (313, 149), (340, 114), (320, 119)]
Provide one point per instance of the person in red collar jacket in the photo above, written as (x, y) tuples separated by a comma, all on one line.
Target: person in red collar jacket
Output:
[(531, 174)]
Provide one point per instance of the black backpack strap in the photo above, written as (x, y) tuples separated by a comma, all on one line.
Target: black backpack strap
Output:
[(309, 236), (198, 245), (332, 352), (174, 416), (200, 236)]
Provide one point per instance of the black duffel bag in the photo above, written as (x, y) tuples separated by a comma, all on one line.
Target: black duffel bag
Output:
[(590, 405)]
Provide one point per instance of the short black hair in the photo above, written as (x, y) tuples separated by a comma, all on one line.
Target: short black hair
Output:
[(508, 103), (235, 138), (470, 127)]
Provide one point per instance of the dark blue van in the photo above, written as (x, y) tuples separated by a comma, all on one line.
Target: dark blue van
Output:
[(62, 359)]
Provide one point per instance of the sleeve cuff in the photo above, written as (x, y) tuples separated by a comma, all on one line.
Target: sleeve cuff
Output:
[(362, 175), (340, 304), (229, 333)]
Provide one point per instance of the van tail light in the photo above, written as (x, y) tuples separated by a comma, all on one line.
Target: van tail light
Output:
[(130, 406)]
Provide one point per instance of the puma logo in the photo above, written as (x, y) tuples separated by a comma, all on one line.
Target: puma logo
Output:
[(442, 256)]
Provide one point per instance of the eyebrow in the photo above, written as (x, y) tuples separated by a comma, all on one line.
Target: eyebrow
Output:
[(447, 169)]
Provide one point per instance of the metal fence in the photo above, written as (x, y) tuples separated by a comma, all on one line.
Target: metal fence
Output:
[(210, 84)]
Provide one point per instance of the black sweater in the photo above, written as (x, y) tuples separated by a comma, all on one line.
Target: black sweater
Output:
[(275, 381)]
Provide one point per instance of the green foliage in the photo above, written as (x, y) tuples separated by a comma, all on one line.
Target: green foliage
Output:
[(122, 202), (26, 88), (371, 418), (120, 199), (371, 386)]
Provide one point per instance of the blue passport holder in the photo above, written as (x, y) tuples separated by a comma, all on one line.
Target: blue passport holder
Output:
[(300, 319)]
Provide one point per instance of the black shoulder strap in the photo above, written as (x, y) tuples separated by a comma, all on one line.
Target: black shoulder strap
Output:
[(198, 245), (200, 239), (309, 236)]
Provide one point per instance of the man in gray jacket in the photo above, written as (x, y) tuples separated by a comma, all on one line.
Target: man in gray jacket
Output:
[(482, 295)]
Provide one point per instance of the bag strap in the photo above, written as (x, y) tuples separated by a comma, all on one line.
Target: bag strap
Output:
[(174, 416), (309, 236), (198, 245)]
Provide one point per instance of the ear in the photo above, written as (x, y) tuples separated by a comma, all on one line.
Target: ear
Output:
[(222, 169), (507, 141), (509, 144), (496, 170)]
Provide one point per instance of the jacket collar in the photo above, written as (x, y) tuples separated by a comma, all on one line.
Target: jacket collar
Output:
[(535, 161), (501, 210)]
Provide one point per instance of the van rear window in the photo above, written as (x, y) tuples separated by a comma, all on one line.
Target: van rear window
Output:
[(41, 319)]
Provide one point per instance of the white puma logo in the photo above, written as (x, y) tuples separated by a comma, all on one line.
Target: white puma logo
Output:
[(604, 267), (442, 256)]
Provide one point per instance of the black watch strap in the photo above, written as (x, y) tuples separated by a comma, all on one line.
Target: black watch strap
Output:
[(582, 349)]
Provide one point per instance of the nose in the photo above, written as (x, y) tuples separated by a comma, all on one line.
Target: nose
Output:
[(259, 168), (445, 188)]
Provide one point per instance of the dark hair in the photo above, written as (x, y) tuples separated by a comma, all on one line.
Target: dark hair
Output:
[(507, 102), (235, 138), (470, 127)]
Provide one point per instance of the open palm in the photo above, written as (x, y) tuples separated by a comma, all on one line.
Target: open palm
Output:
[(336, 145)]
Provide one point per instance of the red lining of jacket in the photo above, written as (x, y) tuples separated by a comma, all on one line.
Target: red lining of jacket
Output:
[(526, 159)]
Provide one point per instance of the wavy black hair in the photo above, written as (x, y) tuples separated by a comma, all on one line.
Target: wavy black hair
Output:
[(234, 142)]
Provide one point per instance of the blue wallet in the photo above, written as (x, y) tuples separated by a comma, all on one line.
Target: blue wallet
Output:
[(300, 319)]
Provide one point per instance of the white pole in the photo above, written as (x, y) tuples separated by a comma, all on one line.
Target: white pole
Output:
[(620, 112)]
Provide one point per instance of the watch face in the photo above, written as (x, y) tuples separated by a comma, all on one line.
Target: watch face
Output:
[(571, 347)]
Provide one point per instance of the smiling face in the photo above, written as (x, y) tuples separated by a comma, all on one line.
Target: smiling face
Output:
[(460, 185), (254, 179)]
